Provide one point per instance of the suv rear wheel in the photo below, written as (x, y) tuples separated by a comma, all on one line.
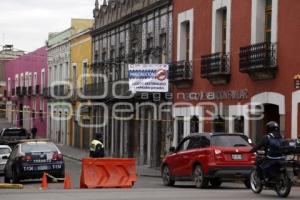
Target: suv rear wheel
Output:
[(166, 176), (199, 177)]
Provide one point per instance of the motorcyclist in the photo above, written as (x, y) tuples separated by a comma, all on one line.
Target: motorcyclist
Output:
[(273, 154)]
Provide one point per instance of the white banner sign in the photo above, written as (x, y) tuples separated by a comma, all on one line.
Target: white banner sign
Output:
[(148, 77)]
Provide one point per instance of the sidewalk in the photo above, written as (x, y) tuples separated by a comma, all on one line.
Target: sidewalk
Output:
[(78, 154)]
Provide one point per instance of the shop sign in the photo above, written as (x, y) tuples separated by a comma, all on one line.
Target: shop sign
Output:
[(214, 95), (297, 81), (148, 77)]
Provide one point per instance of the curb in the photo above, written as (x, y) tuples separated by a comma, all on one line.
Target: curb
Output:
[(11, 186)]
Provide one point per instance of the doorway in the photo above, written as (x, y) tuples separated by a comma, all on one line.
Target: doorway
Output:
[(270, 113)]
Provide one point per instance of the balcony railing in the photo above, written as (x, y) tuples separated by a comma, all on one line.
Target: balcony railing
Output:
[(46, 92), (18, 91), (259, 60), (216, 68), (105, 90), (37, 90), (24, 91), (29, 91), (181, 71)]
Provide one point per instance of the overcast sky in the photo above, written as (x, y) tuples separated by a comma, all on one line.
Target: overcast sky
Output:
[(26, 23)]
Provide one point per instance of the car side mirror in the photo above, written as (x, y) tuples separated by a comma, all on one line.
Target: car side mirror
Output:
[(5, 157), (172, 149)]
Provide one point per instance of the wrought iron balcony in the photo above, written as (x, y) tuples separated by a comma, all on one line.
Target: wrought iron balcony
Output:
[(46, 93), (106, 91), (216, 68), (29, 91), (18, 91), (37, 90), (181, 73), (259, 60), (24, 91)]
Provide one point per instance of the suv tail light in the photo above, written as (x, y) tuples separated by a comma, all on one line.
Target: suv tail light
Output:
[(57, 156), (219, 154), (26, 158)]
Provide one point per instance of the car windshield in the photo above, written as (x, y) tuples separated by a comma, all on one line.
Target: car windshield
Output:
[(14, 132), (38, 147), (229, 141), (4, 151)]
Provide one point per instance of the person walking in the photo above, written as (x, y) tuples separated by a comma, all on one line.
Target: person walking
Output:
[(97, 147)]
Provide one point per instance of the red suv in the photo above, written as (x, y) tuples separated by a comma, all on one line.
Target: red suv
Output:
[(209, 158)]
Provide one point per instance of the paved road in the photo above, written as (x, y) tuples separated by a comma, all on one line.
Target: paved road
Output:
[(141, 193)]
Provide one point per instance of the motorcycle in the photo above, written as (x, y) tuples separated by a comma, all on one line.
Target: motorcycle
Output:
[(281, 180)]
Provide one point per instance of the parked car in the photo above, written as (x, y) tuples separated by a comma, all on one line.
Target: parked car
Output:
[(209, 158), (12, 136), (4, 154), (30, 159)]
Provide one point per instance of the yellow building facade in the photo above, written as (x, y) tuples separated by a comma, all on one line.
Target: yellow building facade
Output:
[(80, 71)]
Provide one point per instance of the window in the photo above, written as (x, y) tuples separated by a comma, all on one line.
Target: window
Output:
[(8, 87), (43, 78), (224, 29), (163, 46), (17, 84), (185, 35), (198, 142), (187, 41), (74, 76), (85, 74), (29, 79), (264, 21), (149, 46), (22, 80), (184, 145), (221, 16), (268, 20), (50, 75), (34, 79)]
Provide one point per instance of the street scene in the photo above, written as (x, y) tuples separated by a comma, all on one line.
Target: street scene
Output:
[(152, 99)]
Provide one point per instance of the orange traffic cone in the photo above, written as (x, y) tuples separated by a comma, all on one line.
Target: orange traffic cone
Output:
[(44, 184), (67, 183)]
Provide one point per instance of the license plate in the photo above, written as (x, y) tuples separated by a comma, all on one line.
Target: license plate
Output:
[(236, 157), (42, 167)]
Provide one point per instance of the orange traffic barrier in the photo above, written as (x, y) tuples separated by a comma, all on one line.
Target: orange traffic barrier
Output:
[(107, 173), (44, 184), (67, 182)]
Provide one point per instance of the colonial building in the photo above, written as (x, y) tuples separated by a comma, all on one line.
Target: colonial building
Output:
[(6, 54), (26, 76), (129, 32), (231, 54), (59, 62), (80, 76)]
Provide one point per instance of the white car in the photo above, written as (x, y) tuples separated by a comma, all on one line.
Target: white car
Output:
[(4, 154)]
